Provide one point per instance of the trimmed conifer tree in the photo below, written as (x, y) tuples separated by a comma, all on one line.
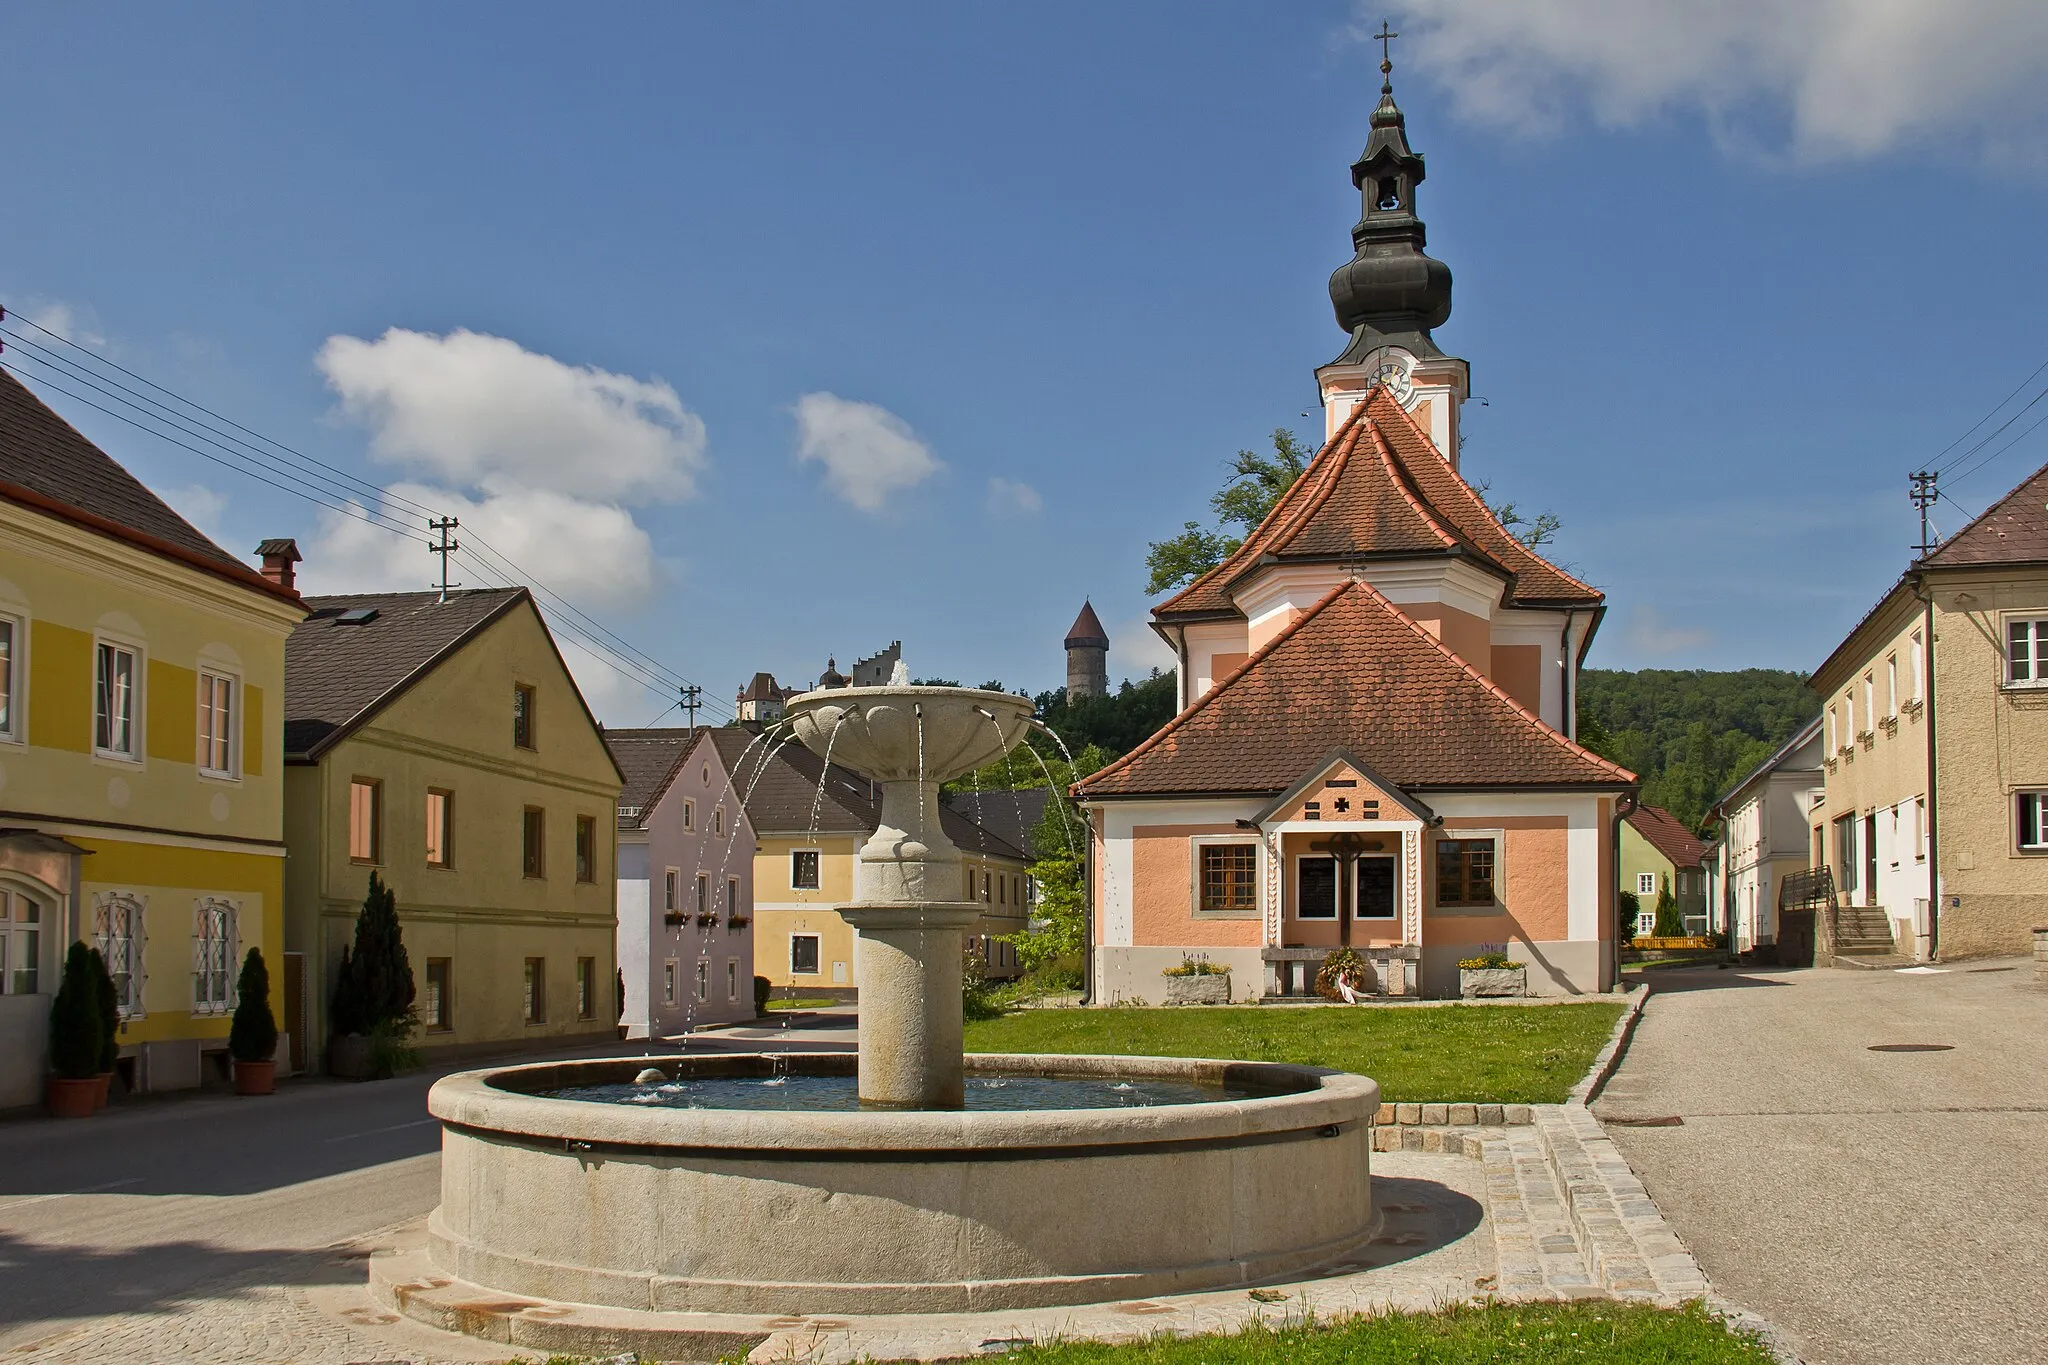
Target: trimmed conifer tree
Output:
[(1668, 923), (75, 1019), (109, 1001), (383, 972), (345, 1010), (252, 1037)]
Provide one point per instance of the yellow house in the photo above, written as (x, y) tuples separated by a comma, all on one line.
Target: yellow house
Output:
[(808, 828), (443, 745), (141, 783)]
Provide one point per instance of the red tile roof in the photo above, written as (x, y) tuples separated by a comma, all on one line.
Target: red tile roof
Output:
[(1087, 628), (2013, 530), (1667, 835), (1353, 673), (1381, 490)]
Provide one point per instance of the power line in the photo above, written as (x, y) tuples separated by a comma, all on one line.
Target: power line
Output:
[(1992, 413)]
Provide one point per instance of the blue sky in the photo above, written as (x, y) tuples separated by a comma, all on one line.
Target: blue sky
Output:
[(1020, 280)]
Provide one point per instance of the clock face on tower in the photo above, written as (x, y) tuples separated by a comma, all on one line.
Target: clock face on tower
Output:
[(1392, 369)]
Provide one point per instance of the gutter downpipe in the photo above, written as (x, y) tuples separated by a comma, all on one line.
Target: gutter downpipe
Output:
[(1623, 808), (1571, 679), (1926, 597)]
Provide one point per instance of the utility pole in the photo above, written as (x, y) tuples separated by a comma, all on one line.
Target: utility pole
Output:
[(692, 698), (1924, 496), (444, 547)]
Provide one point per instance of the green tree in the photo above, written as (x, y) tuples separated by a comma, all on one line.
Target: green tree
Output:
[(376, 987), (1668, 923), (1541, 531), (109, 1001), (252, 1036), (75, 1029), (1256, 482)]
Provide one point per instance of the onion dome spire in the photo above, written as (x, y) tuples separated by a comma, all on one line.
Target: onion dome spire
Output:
[(1390, 291)]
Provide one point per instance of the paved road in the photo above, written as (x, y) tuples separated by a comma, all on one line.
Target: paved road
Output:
[(1880, 1207), (163, 1202)]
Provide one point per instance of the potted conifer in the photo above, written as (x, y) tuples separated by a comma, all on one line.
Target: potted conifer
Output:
[(109, 1002), (74, 1040), (252, 1037)]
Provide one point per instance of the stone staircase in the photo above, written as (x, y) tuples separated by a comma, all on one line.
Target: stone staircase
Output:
[(1862, 932)]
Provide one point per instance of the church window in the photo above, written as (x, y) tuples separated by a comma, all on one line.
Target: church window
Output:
[(1228, 878), (1315, 888), (1464, 871)]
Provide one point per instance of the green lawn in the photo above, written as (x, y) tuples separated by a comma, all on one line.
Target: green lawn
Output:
[(801, 1004), (1489, 1054), (1583, 1333)]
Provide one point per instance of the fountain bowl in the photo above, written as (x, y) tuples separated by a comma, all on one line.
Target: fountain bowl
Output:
[(874, 730), (801, 1212)]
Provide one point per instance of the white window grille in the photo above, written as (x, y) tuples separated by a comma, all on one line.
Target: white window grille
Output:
[(119, 932), (1646, 883), (213, 956)]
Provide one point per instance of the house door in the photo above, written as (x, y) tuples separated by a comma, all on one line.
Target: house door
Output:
[(1870, 859), (1378, 889)]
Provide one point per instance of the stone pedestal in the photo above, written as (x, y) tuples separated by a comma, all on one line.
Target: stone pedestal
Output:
[(910, 1026), (2041, 956)]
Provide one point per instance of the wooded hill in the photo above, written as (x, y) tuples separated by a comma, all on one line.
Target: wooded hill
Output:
[(1688, 733)]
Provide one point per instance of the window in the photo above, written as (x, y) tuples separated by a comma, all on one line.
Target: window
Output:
[(803, 954), (1229, 875), (216, 724), (1464, 871), (113, 732), (2026, 655), (1002, 891), (440, 828), (524, 699), (703, 893), (1646, 883), (1373, 891), (533, 837), (689, 815), (1831, 728), (984, 888), (437, 1008), (21, 944), (2033, 822), (118, 932), (803, 870), (1847, 864), (732, 979), (1919, 829), (668, 981), (10, 678), (534, 996), (1869, 703), (1315, 888), (1891, 684), (672, 890), (586, 988), (1896, 846), (586, 849), (1848, 718), (732, 896), (213, 957), (703, 981), (365, 819), (718, 820), (1918, 667)]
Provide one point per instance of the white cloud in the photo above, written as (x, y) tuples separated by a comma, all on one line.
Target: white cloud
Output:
[(868, 452), (74, 323), (198, 504), (1648, 635), (484, 413), (591, 553), (617, 699), (1135, 649), (1831, 79), (1009, 498)]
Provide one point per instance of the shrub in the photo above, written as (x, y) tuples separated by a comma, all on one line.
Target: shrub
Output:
[(762, 990), (1488, 962), (376, 987), (978, 999), (109, 1001), (1669, 923), (1195, 964), (252, 1037), (1628, 909), (1346, 965), (75, 1030), (345, 1010)]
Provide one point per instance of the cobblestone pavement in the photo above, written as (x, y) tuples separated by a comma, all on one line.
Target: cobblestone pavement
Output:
[(1876, 1206)]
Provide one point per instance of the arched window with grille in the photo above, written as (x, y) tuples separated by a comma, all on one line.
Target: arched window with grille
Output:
[(213, 955), (119, 933)]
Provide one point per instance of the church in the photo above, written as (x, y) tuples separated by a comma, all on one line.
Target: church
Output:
[(1374, 742)]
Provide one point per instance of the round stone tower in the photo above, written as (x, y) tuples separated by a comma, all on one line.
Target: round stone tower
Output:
[(1087, 656)]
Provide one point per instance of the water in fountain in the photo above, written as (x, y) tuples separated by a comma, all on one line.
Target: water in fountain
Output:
[(780, 1090)]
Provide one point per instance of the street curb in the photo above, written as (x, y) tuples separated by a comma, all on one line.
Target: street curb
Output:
[(1609, 1056)]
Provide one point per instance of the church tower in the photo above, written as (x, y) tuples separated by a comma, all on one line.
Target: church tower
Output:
[(1391, 293), (1087, 656)]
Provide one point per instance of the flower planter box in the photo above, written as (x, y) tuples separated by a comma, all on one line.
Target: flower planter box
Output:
[(1198, 990), (255, 1078), (1480, 983), (68, 1099)]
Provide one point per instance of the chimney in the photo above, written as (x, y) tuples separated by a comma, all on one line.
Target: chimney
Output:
[(278, 557)]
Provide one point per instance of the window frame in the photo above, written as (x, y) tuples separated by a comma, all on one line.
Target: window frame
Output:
[(534, 991), (1919, 829), (700, 981), (440, 1018), (525, 719), (732, 980), (817, 856), (137, 702), (213, 956), (817, 954), (2037, 650), (732, 896), (703, 894), (1496, 873), (231, 742), (533, 843), (14, 679), (671, 978), (17, 929), (446, 833), (1301, 860), (375, 786), (586, 850), (586, 988), (1199, 847), (671, 890), (129, 965), (2022, 798), (1649, 890)]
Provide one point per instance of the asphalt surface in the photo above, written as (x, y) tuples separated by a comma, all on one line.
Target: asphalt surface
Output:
[(1876, 1206), (151, 1202)]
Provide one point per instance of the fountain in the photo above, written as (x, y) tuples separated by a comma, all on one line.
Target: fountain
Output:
[(908, 1178)]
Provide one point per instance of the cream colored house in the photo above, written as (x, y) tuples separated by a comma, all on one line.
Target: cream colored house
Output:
[(1935, 740), (1764, 837), (141, 773), (443, 745)]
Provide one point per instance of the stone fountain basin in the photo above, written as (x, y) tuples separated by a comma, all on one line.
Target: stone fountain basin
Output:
[(757, 1211), (873, 730)]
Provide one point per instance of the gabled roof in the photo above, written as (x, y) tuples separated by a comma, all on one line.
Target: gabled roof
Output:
[(779, 785), (647, 760), (1353, 673), (1009, 815), (1380, 490), (1665, 834), (46, 464), (1343, 758), (2013, 530), (761, 688)]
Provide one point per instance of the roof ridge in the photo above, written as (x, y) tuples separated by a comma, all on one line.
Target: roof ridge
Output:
[(1216, 689), (1571, 745), (1400, 477), (1342, 445)]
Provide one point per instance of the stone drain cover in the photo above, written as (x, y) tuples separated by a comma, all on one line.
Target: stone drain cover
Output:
[(1912, 1047)]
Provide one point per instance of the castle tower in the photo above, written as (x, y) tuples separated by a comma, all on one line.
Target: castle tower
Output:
[(1087, 656), (1391, 293)]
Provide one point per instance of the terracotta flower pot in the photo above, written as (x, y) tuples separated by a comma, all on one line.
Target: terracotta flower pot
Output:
[(255, 1078), (105, 1082), (69, 1099)]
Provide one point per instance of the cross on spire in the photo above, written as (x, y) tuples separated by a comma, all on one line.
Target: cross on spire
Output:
[(1385, 37)]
